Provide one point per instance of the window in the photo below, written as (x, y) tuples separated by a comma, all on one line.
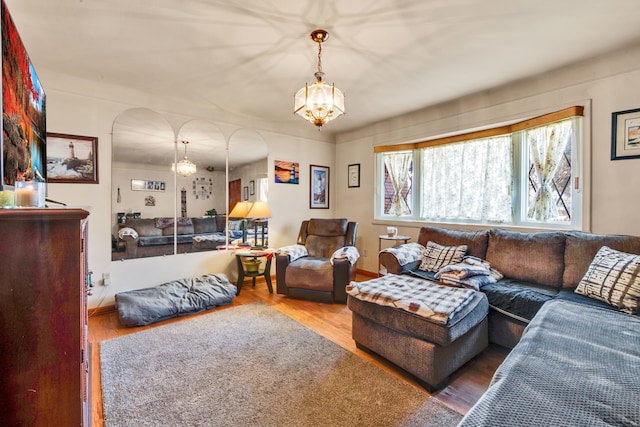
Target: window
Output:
[(520, 174)]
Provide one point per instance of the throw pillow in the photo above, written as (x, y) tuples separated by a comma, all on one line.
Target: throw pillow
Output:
[(613, 278), (435, 256)]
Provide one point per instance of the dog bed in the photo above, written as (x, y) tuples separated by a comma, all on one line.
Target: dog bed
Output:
[(172, 299)]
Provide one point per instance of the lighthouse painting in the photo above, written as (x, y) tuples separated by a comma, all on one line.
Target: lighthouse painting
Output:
[(72, 159)]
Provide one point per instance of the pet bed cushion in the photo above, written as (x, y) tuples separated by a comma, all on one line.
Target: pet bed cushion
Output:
[(176, 298)]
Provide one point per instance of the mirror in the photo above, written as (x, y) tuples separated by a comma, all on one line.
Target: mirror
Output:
[(156, 212), (248, 171)]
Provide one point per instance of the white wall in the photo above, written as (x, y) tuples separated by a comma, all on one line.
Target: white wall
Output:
[(89, 108), (607, 84)]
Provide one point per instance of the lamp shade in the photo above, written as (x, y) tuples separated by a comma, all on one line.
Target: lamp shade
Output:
[(259, 210), (319, 103), (240, 210)]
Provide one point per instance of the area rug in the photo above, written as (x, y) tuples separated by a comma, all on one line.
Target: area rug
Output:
[(251, 365)]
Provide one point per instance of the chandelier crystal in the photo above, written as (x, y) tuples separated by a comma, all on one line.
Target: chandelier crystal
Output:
[(319, 102), (184, 167)]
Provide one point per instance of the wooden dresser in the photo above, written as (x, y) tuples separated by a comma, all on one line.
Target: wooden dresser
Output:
[(43, 318)]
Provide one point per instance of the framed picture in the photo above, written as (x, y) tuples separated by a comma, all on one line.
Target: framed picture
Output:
[(245, 193), (286, 172), (252, 187), (625, 135), (319, 187), (142, 185), (72, 158), (353, 175)]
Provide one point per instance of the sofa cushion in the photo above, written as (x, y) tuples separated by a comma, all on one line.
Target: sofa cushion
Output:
[(582, 247), (613, 277), (145, 227), (310, 273), (204, 225), (517, 299), (476, 241), (435, 256), (529, 257), (182, 229), (571, 296)]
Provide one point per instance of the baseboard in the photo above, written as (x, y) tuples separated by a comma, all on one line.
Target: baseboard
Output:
[(366, 273), (102, 310)]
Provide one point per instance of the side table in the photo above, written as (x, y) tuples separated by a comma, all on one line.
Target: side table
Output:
[(253, 271), (398, 238)]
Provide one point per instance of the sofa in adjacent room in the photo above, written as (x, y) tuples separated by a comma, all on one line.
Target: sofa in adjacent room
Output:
[(155, 236)]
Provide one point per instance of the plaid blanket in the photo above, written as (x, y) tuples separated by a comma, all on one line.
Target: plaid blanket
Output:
[(294, 251), (409, 252), (422, 297), (471, 273), (346, 252)]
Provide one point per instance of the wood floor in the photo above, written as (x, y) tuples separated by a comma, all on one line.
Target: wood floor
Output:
[(333, 321)]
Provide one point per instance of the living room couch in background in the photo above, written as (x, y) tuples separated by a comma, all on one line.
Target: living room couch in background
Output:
[(145, 237)]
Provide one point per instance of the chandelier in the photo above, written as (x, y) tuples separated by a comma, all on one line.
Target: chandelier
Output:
[(319, 103), (184, 167)]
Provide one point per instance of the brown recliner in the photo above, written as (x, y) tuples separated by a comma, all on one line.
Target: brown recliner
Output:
[(313, 277)]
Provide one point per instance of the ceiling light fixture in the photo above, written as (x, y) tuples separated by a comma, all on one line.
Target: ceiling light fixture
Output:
[(184, 167), (319, 103)]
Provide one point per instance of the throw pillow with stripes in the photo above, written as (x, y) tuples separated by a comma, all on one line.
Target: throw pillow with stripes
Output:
[(435, 256), (613, 277)]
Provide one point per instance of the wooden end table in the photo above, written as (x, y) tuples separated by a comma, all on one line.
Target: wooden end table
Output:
[(244, 272)]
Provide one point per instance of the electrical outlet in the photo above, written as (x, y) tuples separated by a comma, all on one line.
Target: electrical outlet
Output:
[(106, 279)]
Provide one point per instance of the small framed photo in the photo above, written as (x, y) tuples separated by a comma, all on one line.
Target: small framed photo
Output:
[(245, 193), (353, 175), (252, 187), (625, 135), (319, 187), (72, 158), (143, 185)]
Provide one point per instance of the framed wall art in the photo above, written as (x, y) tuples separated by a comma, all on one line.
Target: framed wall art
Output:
[(319, 187), (286, 172), (625, 135), (72, 158), (353, 175), (142, 185)]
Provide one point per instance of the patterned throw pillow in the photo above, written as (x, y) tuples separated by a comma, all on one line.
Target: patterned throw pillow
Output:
[(613, 278), (435, 256)]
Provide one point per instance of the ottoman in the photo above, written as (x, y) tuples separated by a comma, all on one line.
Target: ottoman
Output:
[(430, 349)]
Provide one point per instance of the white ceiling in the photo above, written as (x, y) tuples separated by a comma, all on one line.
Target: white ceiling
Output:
[(248, 57)]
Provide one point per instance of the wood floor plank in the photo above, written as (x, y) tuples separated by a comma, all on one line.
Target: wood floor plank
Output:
[(333, 321)]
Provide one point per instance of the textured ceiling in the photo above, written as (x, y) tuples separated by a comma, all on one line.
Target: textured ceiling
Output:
[(249, 57)]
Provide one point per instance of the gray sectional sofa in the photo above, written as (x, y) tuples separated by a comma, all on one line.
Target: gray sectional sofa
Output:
[(575, 359), (537, 267)]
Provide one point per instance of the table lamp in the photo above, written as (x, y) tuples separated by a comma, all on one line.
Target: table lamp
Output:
[(259, 211), (241, 210)]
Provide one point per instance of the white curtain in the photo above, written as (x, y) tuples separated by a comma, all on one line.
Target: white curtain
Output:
[(398, 165), (468, 180), (546, 146)]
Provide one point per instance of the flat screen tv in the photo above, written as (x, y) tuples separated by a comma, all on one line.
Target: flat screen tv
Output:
[(24, 130)]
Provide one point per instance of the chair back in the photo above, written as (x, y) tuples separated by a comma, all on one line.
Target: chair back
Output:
[(322, 237)]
